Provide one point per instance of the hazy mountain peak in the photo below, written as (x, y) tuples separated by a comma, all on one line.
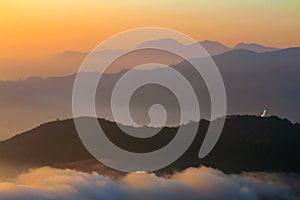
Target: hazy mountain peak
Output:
[(71, 53), (254, 47), (164, 42), (213, 47), (34, 78), (210, 42)]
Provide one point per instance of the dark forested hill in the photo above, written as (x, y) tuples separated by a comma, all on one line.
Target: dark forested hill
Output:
[(247, 143)]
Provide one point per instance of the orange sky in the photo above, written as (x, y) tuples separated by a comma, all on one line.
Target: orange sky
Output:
[(35, 28)]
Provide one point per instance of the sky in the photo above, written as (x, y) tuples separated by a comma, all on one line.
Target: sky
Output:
[(34, 28)]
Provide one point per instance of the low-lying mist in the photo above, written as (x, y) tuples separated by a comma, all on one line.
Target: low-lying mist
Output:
[(193, 183)]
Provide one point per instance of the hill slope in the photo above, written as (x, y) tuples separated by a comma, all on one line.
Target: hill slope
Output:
[(247, 143)]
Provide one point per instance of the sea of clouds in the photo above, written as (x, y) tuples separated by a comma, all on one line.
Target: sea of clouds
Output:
[(194, 183)]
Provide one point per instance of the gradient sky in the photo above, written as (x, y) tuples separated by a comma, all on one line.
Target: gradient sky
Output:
[(40, 28)]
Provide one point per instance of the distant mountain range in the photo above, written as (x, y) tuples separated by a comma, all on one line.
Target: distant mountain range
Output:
[(68, 62), (247, 143), (212, 47), (253, 81), (254, 47), (71, 58)]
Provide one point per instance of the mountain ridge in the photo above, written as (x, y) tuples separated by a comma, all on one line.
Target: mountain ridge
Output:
[(247, 143), (253, 81), (254, 47), (208, 45)]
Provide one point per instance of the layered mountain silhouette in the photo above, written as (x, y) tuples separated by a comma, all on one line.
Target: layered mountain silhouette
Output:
[(68, 62), (189, 50), (247, 143), (253, 82), (212, 47), (254, 47)]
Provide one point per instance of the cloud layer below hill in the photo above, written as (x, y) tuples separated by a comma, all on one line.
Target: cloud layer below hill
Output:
[(193, 183)]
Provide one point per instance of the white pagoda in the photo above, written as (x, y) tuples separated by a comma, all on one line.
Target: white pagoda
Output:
[(265, 114)]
